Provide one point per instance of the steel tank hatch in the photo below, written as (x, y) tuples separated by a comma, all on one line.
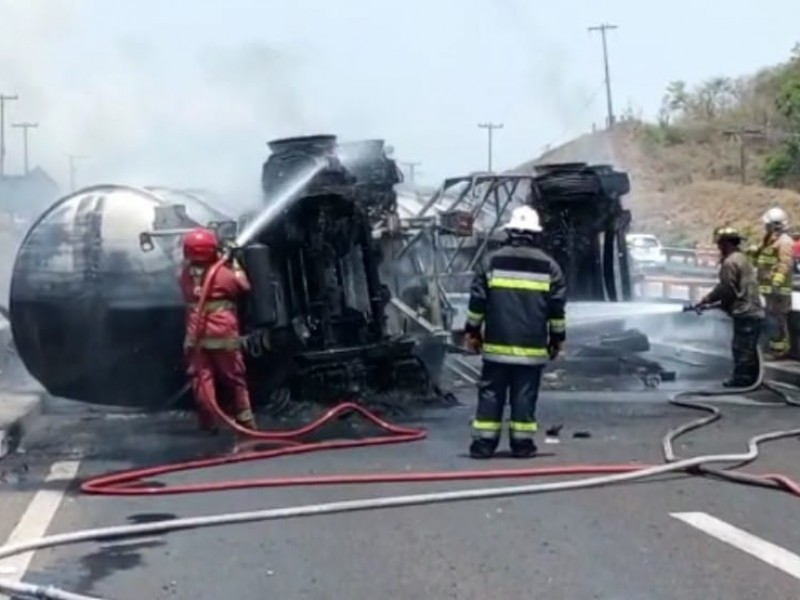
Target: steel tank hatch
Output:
[(94, 318)]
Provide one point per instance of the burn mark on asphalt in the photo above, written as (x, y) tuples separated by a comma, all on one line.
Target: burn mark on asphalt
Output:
[(151, 517), (111, 559)]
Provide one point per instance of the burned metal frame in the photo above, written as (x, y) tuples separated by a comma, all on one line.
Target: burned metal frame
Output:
[(494, 184), (581, 210), (479, 190)]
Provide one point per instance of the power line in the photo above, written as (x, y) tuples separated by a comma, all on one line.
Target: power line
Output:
[(610, 106), (3, 99), (741, 134), (586, 106), (490, 127), (25, 127)]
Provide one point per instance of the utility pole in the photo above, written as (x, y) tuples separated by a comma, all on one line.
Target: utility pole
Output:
[(740, 135), (25, 127), (610, 106), (3, 99), (411, 166), (490, 127), (72, 169)]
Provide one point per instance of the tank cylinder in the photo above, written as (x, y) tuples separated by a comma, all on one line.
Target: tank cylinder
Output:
[(93, 315), (263, 293)]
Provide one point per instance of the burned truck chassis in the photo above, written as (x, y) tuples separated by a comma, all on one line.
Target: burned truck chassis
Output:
[(315, 321), (585, 230), (582, 215), (301, 333)]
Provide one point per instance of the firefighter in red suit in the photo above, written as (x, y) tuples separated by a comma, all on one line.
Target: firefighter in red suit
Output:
[(212, 347)]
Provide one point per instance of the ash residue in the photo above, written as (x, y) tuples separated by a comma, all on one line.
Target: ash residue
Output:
[(284, 411)]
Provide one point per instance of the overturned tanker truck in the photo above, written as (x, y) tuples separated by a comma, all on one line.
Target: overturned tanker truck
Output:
[(96, 313), (336, 268)]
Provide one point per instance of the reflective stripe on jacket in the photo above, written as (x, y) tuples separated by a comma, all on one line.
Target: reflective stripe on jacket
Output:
[(774, 263), (220, 321), (519, 295)]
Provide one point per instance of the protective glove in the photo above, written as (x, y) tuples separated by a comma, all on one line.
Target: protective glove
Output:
[(228, 252), (554, 348), (473, 342)]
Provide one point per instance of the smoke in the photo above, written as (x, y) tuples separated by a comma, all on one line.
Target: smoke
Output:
[(136, 114), (550, 76)]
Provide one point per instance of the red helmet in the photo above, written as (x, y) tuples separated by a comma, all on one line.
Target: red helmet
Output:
[(200, 246)]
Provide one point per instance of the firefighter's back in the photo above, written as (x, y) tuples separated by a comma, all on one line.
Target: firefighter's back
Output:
[(518, 279)]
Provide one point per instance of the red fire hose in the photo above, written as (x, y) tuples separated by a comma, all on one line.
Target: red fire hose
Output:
[(290, 442), (132, 482)]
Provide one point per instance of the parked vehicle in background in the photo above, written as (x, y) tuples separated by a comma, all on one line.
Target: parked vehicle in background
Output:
[(646, 250)]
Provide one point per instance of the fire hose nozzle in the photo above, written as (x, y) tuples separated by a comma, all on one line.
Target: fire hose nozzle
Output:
[(699, 308), (229, 252)]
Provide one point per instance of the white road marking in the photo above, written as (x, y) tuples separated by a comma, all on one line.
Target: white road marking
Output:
[(37, 517), (770, 553)]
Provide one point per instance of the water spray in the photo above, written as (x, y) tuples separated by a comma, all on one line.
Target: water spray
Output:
[(281, 200)]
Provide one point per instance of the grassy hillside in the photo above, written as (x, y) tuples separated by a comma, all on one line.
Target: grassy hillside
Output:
[(686, 169)]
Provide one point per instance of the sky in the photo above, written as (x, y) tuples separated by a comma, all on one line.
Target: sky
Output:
[(187, 93)]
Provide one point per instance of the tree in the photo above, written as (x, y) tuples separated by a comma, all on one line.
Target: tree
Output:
[(677, 98), (788, 102), (782, 166), (713, 97)]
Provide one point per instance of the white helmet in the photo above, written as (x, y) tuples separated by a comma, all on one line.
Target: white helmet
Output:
[(524, 218), (776, 216)]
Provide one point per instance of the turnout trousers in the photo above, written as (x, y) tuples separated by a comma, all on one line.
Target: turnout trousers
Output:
[(778, 308), (223, 369), (519, 384), (746, 332)]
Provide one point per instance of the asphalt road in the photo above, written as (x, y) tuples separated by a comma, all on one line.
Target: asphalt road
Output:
[(620, 543)]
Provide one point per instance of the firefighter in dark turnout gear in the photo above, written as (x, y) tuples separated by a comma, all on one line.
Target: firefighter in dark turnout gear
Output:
[(518, 298), (737, 295)]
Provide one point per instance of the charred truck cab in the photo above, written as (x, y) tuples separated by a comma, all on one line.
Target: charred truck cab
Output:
[(585, 226), (315, 322), (437, 245)]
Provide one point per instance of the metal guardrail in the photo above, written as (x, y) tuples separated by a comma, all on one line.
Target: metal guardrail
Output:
[(692, 270), (702, 256), (669, 287), (675, 287), (681, 270)]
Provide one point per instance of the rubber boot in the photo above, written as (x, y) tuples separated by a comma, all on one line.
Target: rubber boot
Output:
[(740, 382), (209, 428), (482, 448), (247, 420), (206, 421), (523, 448)]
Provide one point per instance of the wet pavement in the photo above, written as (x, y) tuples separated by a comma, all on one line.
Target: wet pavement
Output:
[(621, 543)]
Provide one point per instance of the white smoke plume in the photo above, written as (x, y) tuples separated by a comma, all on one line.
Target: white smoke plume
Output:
[(136, 117)]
